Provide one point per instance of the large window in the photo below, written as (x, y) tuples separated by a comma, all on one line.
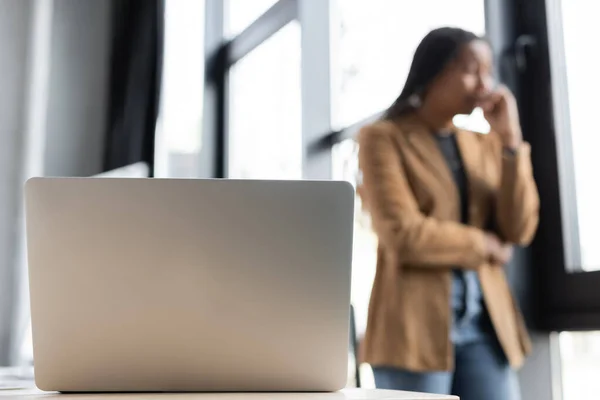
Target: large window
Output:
[(583, 81), (265, 129), (576, 80), (289, 102)]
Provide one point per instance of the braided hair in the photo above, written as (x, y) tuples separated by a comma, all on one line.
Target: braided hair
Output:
[(437, 49)]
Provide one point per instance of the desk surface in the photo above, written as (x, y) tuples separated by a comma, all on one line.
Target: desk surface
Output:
[(348, 394), (17, 384)]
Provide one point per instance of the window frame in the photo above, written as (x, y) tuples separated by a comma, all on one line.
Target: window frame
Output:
[(221, 55), (510, 22), (562, 120), (565, 300)]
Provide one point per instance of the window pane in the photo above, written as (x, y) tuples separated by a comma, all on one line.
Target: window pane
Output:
[(179, 127), (580, 364), (583, 83), (345, 167), (373, 43), (364, 257), (265, 133), (241, 13)]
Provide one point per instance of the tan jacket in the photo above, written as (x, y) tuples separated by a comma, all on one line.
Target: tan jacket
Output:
[(414, 205)]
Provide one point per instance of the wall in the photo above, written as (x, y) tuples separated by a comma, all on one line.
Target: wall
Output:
[(53, 80), (14, 38), (78, 87)]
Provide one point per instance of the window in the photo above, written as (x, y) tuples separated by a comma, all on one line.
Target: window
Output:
[(575, 82), (241, 13), (345, 167), (265, 132), (179, 127), (373, 43), (364, 256), (583, 81), (370, 50)]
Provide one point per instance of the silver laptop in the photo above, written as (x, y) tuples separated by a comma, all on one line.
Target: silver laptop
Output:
[(189, 285)]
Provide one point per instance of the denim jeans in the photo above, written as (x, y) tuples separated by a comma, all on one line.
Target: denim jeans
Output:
[(481, 369)]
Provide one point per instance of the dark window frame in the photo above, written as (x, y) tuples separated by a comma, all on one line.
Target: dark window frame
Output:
[(566, 300), (221, 55)]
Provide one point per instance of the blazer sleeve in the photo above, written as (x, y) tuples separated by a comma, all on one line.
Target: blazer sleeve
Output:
[(419, 240), (517, 201)]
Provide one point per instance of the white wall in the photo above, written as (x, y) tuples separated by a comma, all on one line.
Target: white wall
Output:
[(14, 38), (78, 87), (56, 91)]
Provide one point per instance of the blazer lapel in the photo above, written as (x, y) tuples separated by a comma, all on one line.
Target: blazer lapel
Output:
[(424, 145)]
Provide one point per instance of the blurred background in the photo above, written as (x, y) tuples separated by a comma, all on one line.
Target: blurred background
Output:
[(277, 90)]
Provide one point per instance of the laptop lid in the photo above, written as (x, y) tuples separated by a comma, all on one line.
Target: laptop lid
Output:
[(189, 285)]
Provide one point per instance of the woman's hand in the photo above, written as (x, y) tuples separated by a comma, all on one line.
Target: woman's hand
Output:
[(501, 112), (498, 252)]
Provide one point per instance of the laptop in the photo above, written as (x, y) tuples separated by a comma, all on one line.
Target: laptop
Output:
[(189, 285)]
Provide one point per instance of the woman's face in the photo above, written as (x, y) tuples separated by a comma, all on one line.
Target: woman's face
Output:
[(465, 82)]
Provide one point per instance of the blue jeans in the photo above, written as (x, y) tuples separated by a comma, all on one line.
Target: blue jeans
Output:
[(481, 369)]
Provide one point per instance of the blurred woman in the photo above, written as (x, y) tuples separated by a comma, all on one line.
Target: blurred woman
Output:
[(447, 205)]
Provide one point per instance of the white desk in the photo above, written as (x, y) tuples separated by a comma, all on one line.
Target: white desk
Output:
[(22, 379), (348, 394)]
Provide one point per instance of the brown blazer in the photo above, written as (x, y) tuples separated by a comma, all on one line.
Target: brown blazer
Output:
[(414, 206)]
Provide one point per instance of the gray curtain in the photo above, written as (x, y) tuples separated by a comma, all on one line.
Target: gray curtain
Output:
[(135, 80)]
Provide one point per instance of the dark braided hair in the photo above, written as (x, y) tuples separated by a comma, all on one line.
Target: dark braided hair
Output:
[(438, 48)]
